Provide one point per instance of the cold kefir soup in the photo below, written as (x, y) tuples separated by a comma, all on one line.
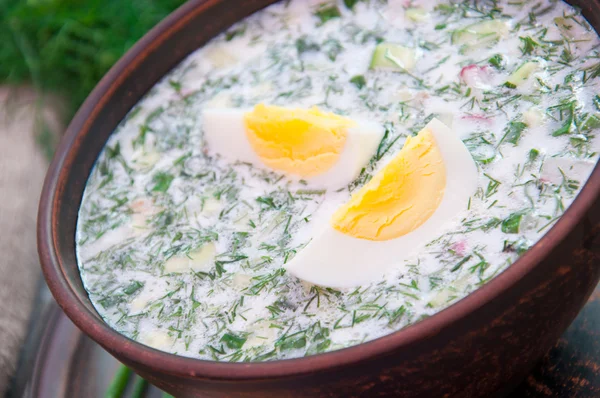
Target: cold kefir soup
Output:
[(325, 173)]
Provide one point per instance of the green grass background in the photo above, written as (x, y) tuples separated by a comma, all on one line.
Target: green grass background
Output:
[(65, 46)]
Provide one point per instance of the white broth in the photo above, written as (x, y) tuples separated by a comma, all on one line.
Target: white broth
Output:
[(185, 251)]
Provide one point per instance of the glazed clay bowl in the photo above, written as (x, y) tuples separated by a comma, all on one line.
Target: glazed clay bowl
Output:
[(483, 344)]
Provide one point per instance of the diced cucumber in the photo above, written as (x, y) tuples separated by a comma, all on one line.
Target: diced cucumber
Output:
[(592, 122), (480, 34), (521, 74), (533, 117), (393, 56), (417, 14), (572, 27), (566, 26), (441, 298)]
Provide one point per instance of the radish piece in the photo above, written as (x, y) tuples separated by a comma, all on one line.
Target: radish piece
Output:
[(459, 248), (478, 118), (476, 77)]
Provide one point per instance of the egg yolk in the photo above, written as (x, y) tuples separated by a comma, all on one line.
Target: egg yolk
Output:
[(400, 197), (304, 142)]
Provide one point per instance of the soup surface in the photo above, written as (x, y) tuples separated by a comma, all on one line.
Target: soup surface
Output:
[(185, 249)]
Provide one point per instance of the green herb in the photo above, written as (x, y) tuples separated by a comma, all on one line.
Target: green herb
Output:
[(460, 263), (359, 81), (567, 126), (133, 287), (232, 341), (110, 301), (511, 224), (263, 281), (513, 132), (413, 285), (476, 224), (291, 343), (396, 315), (162, 181), (350, 3), (528, 45), (176, 85), (533, 154), (597, 102), (311, 192), (518, 246), (568, 184), (481, 148), (492, 187), (327, 12), (592, 72), (320, 346), (438, 64), (332, 48), (384, 145), (233, 33), (267, 201), (113, 152), (567, 56), (140, 140), (481, 266), (356, 319), (497, 61), (303, 44)]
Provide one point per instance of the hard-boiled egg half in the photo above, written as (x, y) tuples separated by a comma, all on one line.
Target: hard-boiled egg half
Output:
[(324, 149), (403, 207)]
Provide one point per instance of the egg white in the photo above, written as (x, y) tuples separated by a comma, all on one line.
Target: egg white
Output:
[(337, 260), (225, 134)]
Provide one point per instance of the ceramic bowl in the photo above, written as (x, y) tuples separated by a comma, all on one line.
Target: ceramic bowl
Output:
[(483, 344)]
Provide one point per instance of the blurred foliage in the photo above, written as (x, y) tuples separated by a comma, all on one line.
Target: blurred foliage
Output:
[(66, 46)]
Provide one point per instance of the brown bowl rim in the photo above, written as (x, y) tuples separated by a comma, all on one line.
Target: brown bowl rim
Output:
[(186, 367)]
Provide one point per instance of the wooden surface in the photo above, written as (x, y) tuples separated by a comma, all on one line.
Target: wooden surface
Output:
[(572, 367), (70, 364)]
